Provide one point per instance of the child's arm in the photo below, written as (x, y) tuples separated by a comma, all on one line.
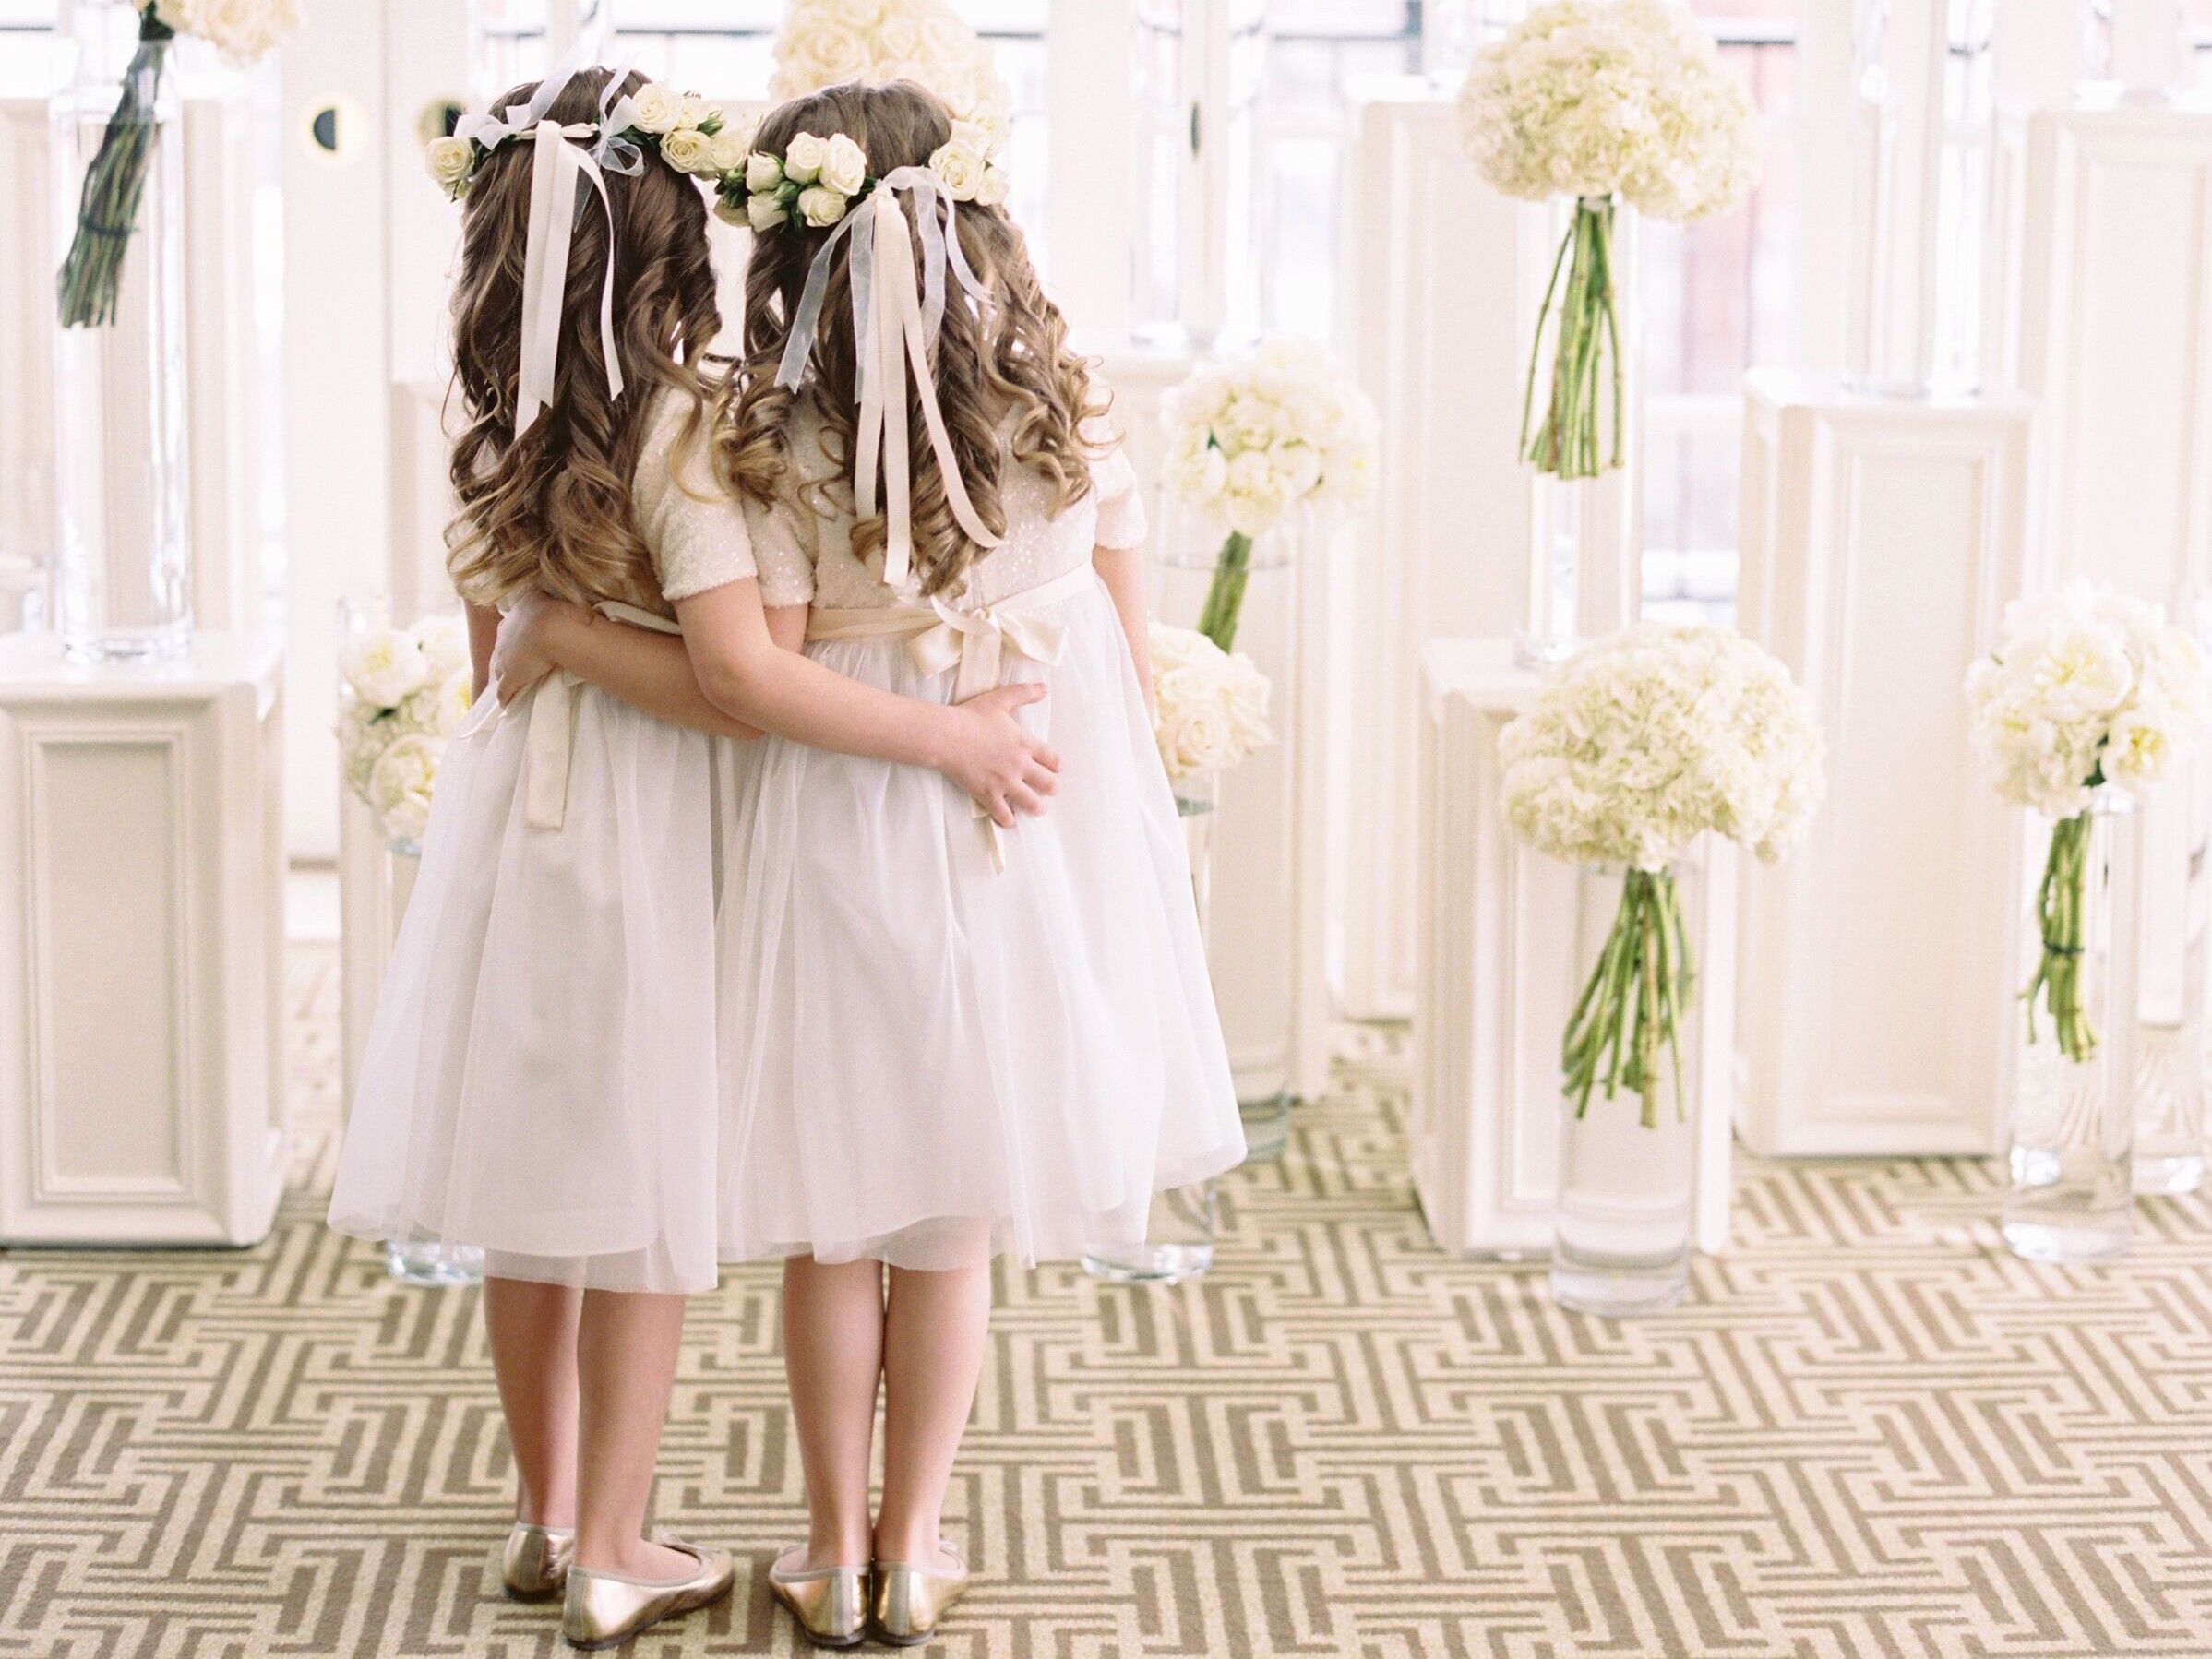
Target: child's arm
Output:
[(484, 633), (751, 674), (1123, 571), (653, 670)]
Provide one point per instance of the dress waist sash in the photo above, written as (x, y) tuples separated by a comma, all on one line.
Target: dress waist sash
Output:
[(552, 728)]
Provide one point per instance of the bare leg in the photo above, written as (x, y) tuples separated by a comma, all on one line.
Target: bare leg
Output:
[(625, 1351), (933, 1332), (832, 1354), (533, 1332)]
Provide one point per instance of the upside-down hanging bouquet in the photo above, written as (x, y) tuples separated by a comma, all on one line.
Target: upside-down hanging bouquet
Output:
[(2086, 689), (1641, 744), (107, 208), (1602, 100)]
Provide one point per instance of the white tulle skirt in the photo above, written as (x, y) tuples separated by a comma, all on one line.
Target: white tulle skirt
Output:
[(541, 1079), (930, 1060)]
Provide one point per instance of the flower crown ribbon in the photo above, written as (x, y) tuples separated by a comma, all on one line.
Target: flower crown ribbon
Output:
[(558, 167), (894, 323)]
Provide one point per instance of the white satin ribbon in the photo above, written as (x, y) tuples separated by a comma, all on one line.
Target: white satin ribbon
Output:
[(556, 167), (973, 644), (548, 745), (895, 323)]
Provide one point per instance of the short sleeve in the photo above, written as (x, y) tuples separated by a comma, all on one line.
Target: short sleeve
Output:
[(1121, 503), (787, 573), (696, 535)]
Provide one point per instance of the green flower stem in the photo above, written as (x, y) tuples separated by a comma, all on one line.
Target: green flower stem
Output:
[(107, 209), (1634, 1002), (2061, 903), (1224, 598), (1585, 352)]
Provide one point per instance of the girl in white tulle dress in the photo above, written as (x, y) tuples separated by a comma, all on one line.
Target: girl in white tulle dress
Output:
[(943, 1038), (544, 1077)]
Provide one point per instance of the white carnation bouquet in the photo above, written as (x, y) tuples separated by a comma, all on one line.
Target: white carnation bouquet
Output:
[(1252, 438), (402, 694), (825, 41), (107, 207), (1638, 746), (2088, 688), (1210, 706), (1601, 100)]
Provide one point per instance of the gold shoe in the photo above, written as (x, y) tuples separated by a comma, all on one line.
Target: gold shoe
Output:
[(605, 1609), (831, 1603), (910, 1600), (534, 1566)]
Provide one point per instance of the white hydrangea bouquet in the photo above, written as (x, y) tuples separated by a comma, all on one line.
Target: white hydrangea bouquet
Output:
[(1599, 101), (402, 695), (825, 41), (1210, 706), (1252, 438), (107, 207), (2088, 688), (1640, 744)]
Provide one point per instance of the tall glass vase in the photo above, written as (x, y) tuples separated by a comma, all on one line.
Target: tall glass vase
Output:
[(1628, 1138), (1178, 1232), (123, 579), (2170, 1028), (2074, 1108), (1922, 136), (2135, 50)]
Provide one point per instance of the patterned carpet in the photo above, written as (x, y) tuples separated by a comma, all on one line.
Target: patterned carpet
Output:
[(1870, 1433)]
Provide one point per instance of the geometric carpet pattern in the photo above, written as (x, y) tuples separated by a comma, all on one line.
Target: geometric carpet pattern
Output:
[(1869, 1433)]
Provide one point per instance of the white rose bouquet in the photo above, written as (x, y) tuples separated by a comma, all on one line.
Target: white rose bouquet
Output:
[(1599, 99), (825, 41), (1210, 706), (402, 694), (1250, 438), (107, 207), (2086, 689), (1641, 743)]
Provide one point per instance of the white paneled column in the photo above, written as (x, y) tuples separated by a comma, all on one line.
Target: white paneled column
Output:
[(1881, 539), (1442, 291), (1497, 981), (141, 945)]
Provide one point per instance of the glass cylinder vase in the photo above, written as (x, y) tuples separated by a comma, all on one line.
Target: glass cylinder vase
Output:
[(2170, 1028), (2073, 1105), (1628, 1138), (1922, 137), (1179, 1227), (123, 577), (2136, 51)]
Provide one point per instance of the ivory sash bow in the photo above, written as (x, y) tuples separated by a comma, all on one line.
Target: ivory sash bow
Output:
[(972, 643), (895, 325), (547, 749)]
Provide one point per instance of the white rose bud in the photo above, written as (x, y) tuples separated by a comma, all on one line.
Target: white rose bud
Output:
[(973, 135), (450, 162), (383, 668), (963, 171), (802, 158), (762, 212), (763, 172), (654, 109), (692, 111), (689, 151), (994, 187), (821, 206), (729, 151), (845, 165)]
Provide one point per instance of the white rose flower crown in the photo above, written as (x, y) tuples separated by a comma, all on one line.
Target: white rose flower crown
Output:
[(817, 180)]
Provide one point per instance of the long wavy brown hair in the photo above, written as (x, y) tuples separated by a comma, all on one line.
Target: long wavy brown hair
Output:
[(551, 510), (1011, 389)]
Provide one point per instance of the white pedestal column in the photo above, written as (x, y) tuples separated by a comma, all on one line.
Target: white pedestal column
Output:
[(142, 945), (1497, 982), (1881, 539)]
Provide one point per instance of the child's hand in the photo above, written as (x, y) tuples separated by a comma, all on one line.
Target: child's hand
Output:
[(522, 655), (995, 759)]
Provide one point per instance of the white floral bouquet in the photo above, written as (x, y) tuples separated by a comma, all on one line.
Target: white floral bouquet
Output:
[(1638, 746), (107, 207), (1210, 706), (2088, 688), (1251, 438), (826, 42), (402, 694), (1599, 100)]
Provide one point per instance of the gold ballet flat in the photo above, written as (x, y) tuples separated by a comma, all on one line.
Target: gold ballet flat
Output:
[(910, 1600), (605, 1609), (831, 1603), (534, 1566)]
